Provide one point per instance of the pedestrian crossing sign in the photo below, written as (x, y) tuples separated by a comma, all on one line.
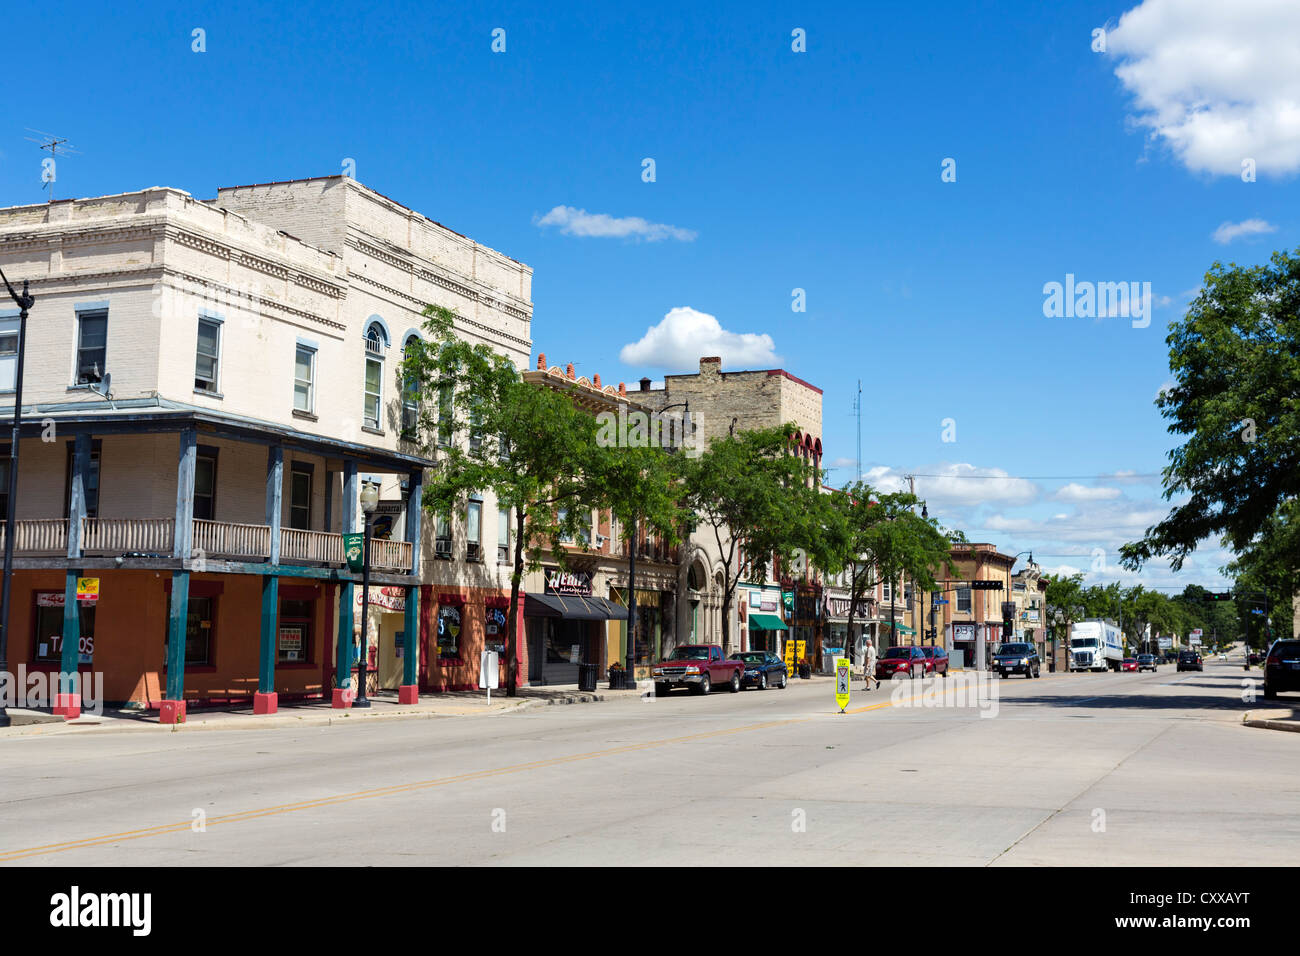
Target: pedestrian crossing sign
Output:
[(841, 683)]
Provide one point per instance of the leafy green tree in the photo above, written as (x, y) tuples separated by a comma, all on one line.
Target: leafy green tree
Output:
[(755, 497), (493, 430), (1235, 357), (1064, 604)]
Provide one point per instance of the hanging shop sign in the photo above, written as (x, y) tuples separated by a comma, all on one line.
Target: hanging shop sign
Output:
[(568, 582), (390, 597), (88, 590)]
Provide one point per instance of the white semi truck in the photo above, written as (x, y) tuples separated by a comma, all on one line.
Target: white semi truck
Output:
[(1095, 645)]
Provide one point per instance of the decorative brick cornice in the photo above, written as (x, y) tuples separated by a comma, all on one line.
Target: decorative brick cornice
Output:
[(418, 306)]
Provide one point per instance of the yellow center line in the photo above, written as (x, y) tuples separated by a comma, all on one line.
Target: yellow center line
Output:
[(284, 808)]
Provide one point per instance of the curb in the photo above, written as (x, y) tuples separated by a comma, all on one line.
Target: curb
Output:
[(1265, 723), (277, 721)]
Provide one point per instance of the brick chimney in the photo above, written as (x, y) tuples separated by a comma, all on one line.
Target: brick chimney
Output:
[(541, 361), (711, 365), (645, 384), (569, 373), (622, 389), (595, 380)]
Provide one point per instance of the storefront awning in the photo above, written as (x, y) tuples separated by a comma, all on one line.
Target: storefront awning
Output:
[(766, 622), (572, 607), (903, 628)]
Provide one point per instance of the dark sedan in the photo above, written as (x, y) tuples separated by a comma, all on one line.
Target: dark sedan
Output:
[(1282, 668), (762, 670)]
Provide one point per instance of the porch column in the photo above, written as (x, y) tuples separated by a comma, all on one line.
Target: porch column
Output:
[(409, 691), (343, 643), (172, 709), (183, 533), (414, 508), (266, 701), (67, 696)]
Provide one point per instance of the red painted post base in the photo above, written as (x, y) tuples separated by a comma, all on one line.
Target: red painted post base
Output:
[(265, 703), (67, 705), (408, 694), (171, 712), (342, 698)]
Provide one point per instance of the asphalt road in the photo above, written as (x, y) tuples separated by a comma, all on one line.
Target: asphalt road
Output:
[(1094, 769)]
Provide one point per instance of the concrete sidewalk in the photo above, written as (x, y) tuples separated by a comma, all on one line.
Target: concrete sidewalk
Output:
[(384, 706)]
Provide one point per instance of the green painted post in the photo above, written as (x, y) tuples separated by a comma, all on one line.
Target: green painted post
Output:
[(411, 652), (71, 650), (343, 655), (270, 621), (176, 629)]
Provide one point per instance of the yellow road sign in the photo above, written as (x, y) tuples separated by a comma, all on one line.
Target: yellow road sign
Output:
[(841, 682)]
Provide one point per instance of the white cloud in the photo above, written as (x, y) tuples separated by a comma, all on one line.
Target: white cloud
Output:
[(957, 484), (1229, 231), (685, 335), (579, 222), (1077, 492), (1216, 82)]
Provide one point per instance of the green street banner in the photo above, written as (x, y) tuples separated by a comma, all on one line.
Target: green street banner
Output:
[(353, 545)]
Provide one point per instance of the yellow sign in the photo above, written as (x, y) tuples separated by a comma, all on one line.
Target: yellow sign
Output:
[(87, 589), (789, 656), (841, 683), (803, 651)]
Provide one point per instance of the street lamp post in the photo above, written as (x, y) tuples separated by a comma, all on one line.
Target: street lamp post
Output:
[(24, 302), (369, 500)]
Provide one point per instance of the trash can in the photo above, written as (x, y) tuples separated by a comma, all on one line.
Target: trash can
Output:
[(587, 676)]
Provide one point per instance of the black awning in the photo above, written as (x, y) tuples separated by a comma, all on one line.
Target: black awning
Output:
[(572, 607)]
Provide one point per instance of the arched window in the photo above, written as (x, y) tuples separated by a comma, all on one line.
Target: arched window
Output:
[(376, 351)]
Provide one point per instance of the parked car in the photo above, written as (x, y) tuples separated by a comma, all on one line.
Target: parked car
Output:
[(761, 669), (1017, 658), (1190, 661), (1129, 664), (1282, 668), (901, 661), (699, 667), (936, 660), (1147, 662)]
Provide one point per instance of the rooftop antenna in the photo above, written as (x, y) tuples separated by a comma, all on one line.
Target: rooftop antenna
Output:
[(54, 144), (857, 407)]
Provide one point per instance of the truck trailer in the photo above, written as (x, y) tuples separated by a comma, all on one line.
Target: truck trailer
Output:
[(1095, 645)]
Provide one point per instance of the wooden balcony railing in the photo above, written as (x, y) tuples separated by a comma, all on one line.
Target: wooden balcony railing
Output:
[(390, 555), (127, 535), (232, 540), (39, 536), (296, 545)]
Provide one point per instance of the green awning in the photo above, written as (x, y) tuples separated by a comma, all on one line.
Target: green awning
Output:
[(903, 629), (766, 622)]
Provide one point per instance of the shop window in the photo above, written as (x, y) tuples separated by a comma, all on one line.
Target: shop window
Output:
[(49, 628), (449, 628), (200, 630), (293, 643)]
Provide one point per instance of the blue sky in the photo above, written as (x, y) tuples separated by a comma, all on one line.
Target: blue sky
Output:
[(777, 170)]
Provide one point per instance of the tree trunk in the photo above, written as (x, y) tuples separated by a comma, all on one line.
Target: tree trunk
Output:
[(512, 616)]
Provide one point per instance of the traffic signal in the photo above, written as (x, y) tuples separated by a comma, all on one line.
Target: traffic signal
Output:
[(1220, 595)]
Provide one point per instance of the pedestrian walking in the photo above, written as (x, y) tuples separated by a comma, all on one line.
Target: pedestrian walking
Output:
[(870, 665)]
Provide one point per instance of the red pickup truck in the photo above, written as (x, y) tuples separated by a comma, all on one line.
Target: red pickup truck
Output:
[(699, 667)]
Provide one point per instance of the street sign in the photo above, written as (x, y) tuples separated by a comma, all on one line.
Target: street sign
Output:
[(489, 675), (88, 590), (842, 682), (941, 601)]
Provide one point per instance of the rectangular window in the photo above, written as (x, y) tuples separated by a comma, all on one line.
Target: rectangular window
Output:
[(205, 359), (963, 599), (886, 592), (92, 346), (374, 383), (293, 638), (200, 629), (49, 629), (442, 537), (474, 529), (205, 485), (304, 374), (8, 354), (92, 481), (445, 414), (300, 497), (503, 536)]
